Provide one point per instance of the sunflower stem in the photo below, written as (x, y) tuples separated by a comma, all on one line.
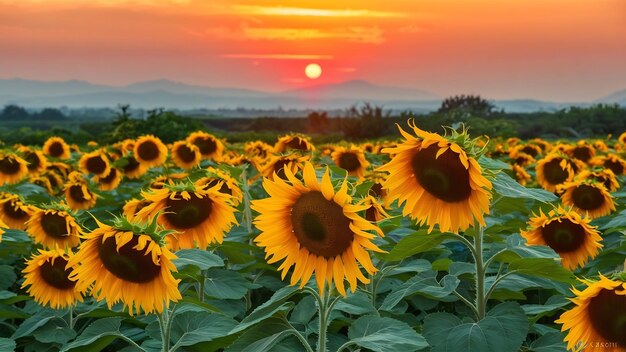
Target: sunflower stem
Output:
[(202, 283), (70, 318), (297, 334), (323, 318), (480, 273), (247, 211), (165, 324)]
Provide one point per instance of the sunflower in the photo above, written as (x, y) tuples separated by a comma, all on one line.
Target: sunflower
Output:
[(13, 211), (258, 148), (132, 168), (228, 186), (520, 174), (296, 142), (149, 151), (611, 161), (314, 229), (160, 181), (276, 165), (210, 147), (60, 168), (375, 211), (567, 233), (553, 171), (53, 179), (96, 163), (56, 148), (13, 169), (110, 181), (77, 193), (600, 145), (604, 176), (54, 227), (528, 149), (598, 319), (198, 216), (133, 206), (351, 159), (588, 197), (582, 151), (126, 263), (37, 162), (47, 277), (622, 138), (42, 182), (437, 181), (369, 147), (186, 155)]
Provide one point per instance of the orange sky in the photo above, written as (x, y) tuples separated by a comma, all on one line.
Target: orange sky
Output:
[(567, 50)]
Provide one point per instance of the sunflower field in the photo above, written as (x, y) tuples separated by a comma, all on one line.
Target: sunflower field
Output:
[(430, 242)]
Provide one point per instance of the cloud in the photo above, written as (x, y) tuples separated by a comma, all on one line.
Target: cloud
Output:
[(278, 56), (311, 12)]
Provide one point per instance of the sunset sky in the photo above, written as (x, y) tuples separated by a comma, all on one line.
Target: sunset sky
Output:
[(565, 50)]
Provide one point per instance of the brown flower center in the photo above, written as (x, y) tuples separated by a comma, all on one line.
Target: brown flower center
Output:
[(554, 173), (607, 313), (148, 150), (614, 166), (214, 181), (110, 177), (349, 161), (444, 177), (56, 275), (376, 190), (54, 225), (564, 236), (33, 160), (206, 145), (582, 153), (530, 150), (131, 165), (320, 225), (297, 143), (96, 165), (13, 210), (76, 193), (9, 166), (56, 149), (186, 154), (187, 214), (279, 168), (587, 197), (128, 263)]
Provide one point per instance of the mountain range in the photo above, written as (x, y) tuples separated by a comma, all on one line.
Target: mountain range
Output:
[(176, 95)]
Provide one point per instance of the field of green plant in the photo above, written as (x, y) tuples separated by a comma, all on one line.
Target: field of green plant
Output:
[(428, 242)]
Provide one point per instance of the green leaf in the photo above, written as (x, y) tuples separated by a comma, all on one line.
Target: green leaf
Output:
[(550, 342), (275, 304), (504, 185), (492, 164), (504, 329), (33, 323), (424, 284), (7, 276), (97, 335), (383, 334), (542, 267), (190, 328), (418, 242), (553, 303), (6, 344), (226, 284), (200, 259), (262, 337), (358, 303), (55, 331)]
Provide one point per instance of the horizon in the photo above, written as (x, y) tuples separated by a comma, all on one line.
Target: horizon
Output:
[(556, 50)]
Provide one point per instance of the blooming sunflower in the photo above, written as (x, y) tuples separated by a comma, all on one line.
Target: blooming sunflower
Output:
[(521, 159), (110, 181), (588, 197), (258, 148), (604, 176), (132, 168), (56, 148), (54, 227), (60, 168), (611, 161), (351, 159), (582, 151), (160, 181), (228, 186), (528, 149), (277, 165), (297, 142), (149, 151), (47, 277), (598, 319), (77, 193), (375, 211), (37, 162), (520, 174), (127, 263), (622, 138), (553, 171), (13, 211), (567, 233), (198, 216), (437, 181), (314, 229), (133, 206), (13, 169), (96, 163), (210, 147), (186, 155)]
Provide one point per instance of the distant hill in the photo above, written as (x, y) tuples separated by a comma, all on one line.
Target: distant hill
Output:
[(361, 89), (618, 97)]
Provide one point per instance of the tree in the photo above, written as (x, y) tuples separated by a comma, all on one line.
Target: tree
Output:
[(318, 122), (15, 113), (466, 105), (50, 114)]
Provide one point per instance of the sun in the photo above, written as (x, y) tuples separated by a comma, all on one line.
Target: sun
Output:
[(313, 71)]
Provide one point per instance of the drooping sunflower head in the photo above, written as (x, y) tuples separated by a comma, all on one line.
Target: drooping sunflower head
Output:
[(375, 210), (149, 151), (54, 227), (314, 229), (47, 277), (77, 193), (598, 319), (13, 169), (277, 165), (127, 263), (57, 148), (351, 159), (132, 207), (605, 176), (60, 168), (54, 180), (567, 233), (582, 151), (521, 159), (258, 148), (186, 155), (96, 163), (587, 197), (553, 171), (528, 149), (229, 185), (36, 160), (210, 146), (161, 181), (611, 161), (235, 159), (109, 181), (600, 145), (296, 142), (622, 138), (131, 167), (13, 211), (521, 174), (544, 145), (198, 216), (437, 181)]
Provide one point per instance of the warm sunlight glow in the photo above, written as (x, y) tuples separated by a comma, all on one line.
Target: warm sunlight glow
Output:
[(313, 71)]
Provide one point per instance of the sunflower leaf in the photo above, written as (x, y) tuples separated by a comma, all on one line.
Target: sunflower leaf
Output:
[(417, 242), (7, 344), (384, 334), (274, 305), (504, 185), (203, 260), (424, 284), (550, 342), (542, 267), (98, 335), (262, 337), (190, 328)]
